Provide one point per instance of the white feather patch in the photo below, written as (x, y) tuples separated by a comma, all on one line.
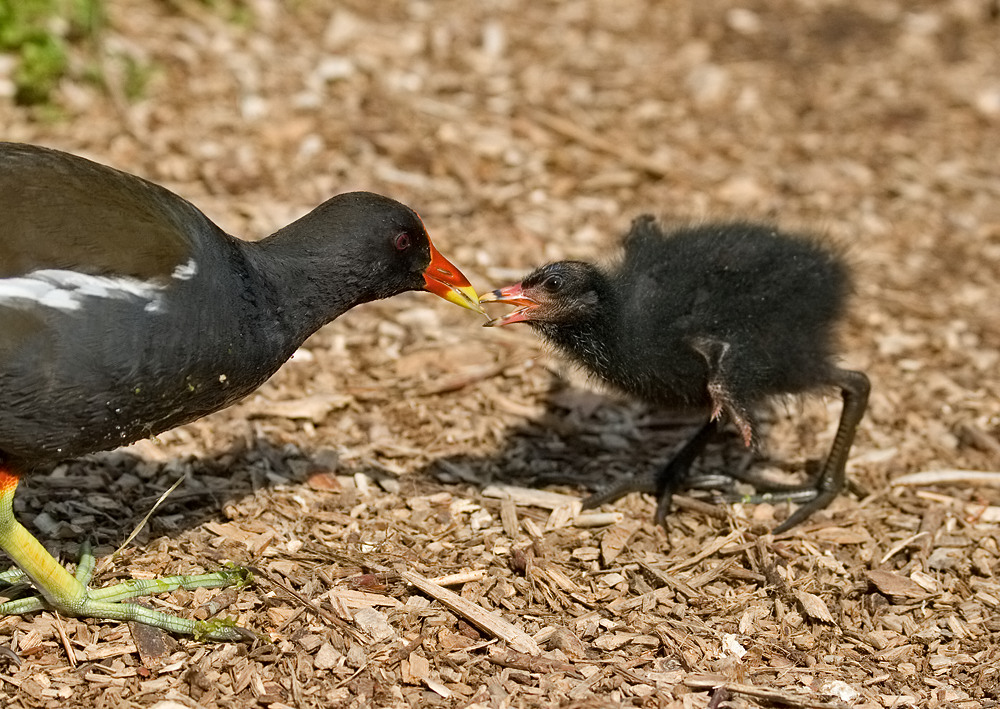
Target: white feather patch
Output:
[(68, 290), (185, 271)]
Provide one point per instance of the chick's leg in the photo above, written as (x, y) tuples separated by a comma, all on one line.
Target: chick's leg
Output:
[(855, 388), (662, 482), (675, 475), (816, 494)]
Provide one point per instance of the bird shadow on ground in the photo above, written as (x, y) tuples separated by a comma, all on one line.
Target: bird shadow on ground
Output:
[(581, 440), (102, 498), (586, 440)]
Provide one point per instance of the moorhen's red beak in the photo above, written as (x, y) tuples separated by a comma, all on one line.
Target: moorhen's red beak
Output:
[(511, 295), (442, 279)]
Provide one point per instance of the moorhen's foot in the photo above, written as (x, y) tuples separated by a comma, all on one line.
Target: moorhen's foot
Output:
[(764, 484), (645, 483), (820, 500), (818, 493), (712, 481), (832, 479), (662, 483), (663, 505), (76, 598), (795, 496), (812, 495), (649, 483)]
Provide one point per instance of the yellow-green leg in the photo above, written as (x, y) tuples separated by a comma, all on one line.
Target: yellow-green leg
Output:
[(70, 595)]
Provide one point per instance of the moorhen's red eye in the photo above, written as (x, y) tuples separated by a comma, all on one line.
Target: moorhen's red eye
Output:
[(85, 283), (553, 284)]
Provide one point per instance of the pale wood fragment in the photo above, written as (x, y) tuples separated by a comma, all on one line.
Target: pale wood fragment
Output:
[(950, 477), (460, 578), (614, 540), (530, 497), (477, 615)]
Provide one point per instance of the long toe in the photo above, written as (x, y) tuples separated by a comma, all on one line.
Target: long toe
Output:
[(820, 500), (711, 481), (645, 483), (765, 485), (108, 603), (73, 597)]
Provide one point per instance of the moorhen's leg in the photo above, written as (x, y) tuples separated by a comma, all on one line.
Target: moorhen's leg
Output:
[(818, 493), (84, 571), (662, 482), (675, 474), (854, 387), (71, 595)]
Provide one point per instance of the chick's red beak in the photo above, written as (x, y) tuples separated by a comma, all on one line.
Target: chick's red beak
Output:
[(443, 279), (511, 295)]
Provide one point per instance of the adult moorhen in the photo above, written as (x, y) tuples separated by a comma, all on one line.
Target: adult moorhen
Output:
[(717, 317), (124, 311)]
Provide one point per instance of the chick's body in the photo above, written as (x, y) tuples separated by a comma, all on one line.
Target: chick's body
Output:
[(716, 317), (768, 299)]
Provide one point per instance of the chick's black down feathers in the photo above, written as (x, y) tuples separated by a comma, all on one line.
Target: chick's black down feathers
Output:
[(716, 317)]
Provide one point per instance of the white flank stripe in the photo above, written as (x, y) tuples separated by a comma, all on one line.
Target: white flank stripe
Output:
[(67, 290)]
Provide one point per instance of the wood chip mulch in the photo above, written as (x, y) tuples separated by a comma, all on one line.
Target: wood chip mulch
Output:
[(406, 489)]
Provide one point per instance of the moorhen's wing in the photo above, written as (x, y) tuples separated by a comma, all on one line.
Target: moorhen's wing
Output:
[(63, 212), (84, 250)]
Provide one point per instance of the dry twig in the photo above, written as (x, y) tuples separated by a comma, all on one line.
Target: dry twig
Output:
[(477, 615)]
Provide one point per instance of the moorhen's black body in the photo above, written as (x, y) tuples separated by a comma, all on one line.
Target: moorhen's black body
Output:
[(124, 311), (718, 318)]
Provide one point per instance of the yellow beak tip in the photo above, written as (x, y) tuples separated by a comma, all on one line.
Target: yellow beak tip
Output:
[(465, 296)]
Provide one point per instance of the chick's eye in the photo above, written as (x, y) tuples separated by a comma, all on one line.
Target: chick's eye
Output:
[(402, 241), (553, 283)]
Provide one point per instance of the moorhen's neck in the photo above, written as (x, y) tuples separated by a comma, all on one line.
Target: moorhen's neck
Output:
[(311, 280)]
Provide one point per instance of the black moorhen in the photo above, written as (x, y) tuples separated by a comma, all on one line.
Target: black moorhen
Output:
[(719, 318), (125, 312)]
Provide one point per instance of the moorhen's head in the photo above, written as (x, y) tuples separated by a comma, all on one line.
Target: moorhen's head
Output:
[(377, 244), (565, 293)]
